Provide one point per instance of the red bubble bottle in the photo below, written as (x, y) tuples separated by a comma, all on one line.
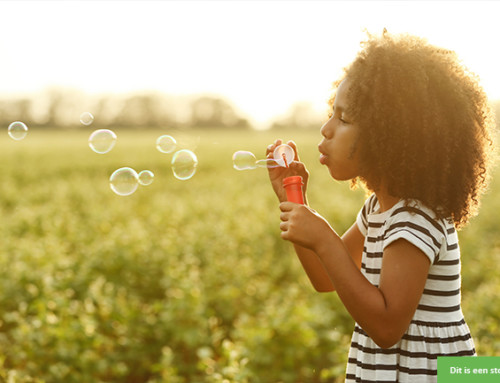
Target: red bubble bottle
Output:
[(293, 188)]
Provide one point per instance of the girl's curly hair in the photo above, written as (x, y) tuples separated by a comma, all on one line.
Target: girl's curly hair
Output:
[(426, 128)]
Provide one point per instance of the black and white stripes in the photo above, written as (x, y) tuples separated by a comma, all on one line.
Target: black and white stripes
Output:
[(438, 327)]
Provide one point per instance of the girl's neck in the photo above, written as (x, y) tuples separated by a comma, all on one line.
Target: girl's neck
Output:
[(385, 200)]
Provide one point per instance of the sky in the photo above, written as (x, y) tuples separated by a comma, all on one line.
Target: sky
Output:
[(262, 56)]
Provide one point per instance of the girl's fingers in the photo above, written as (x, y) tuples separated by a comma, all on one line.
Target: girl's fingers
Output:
[(270, 148), (284, 216), (286, 206), (294, 147)]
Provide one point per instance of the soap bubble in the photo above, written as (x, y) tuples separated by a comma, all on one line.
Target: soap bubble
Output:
[(184, 163), (124, 181), (86, 118), (283, 152), (17, 130), (102, 140), (267, 163), (146, 177), (166, 144), (243, 160)]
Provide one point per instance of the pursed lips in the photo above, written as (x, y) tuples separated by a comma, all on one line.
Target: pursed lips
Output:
[(323, 156)]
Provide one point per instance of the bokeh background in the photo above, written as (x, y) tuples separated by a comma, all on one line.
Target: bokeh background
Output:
[(189, 281)]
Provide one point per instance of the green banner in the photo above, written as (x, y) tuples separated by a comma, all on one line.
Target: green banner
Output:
[(468, 369)]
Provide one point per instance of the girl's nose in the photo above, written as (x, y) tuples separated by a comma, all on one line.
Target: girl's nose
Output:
[(327, 129), (323, 129)]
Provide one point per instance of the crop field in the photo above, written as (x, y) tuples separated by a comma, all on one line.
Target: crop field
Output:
[(182, 281)]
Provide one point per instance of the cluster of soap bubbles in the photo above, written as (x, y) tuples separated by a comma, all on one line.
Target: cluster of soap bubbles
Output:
[(18, 130), (184, 162), (125, 181), (283, 156)]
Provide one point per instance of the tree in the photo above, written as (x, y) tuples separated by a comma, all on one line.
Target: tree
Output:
[(207, 111), (301, 115)]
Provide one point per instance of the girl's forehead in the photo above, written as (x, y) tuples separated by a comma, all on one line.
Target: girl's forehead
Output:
[(343, 88), (341, 94)]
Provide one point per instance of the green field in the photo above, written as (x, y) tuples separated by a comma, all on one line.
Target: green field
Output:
[(183, 281)]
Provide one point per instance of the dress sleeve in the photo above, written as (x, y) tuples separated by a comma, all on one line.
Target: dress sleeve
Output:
[(418, 227)]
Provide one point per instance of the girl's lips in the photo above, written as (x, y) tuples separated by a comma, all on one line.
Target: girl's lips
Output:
[(323, 158)]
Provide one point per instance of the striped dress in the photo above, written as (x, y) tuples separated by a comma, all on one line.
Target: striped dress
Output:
[(438, 327)]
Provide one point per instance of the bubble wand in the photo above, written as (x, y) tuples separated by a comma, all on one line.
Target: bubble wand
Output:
[(283, 155)]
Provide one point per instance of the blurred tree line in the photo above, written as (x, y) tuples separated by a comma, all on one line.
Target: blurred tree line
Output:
[(62, 107)]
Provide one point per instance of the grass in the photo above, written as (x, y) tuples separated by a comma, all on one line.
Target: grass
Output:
[(183, 281)]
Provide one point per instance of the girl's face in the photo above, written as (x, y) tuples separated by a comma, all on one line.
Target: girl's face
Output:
[(339, 133)]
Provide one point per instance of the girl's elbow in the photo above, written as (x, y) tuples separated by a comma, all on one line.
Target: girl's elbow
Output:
[(386, 343), (387, 339)]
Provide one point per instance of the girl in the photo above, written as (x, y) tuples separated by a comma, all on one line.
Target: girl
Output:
[(413, 126)]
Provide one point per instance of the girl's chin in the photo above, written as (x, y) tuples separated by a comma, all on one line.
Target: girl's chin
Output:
[(338, 175)]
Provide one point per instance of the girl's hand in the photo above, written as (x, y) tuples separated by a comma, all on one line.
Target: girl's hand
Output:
[(303, 226), (296, 168)]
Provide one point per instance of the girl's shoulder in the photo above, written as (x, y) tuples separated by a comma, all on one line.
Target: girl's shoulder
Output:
[(417, 223), (413, 210), (409, 213), (408, 209)]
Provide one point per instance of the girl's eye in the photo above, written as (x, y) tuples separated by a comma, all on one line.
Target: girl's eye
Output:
[(339, 116), (343, 121)]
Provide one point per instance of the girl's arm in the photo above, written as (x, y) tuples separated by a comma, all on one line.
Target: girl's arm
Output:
[(384, 312), (315, 269), (311, 263)]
